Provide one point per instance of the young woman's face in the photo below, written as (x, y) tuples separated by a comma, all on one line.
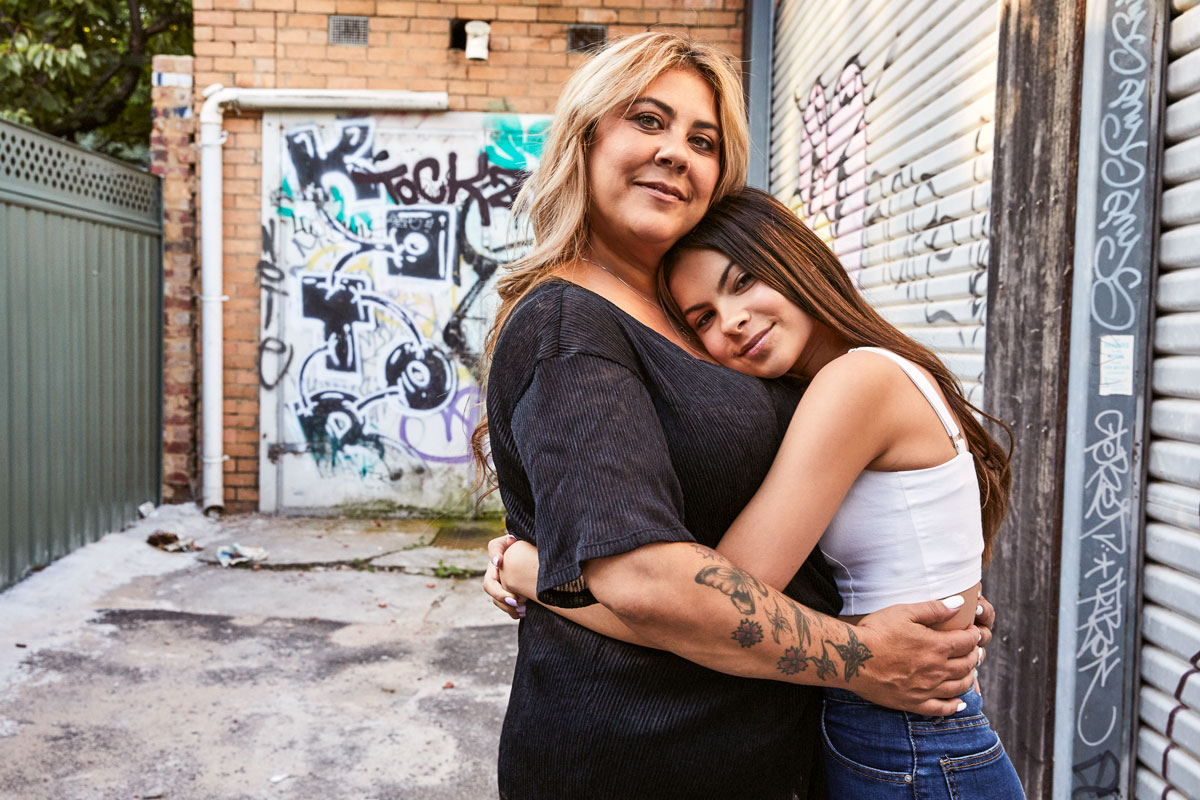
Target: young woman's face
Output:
[(653, 166), (742, 323)]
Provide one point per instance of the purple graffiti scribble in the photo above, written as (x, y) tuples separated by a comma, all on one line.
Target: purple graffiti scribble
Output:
[(464, 409)]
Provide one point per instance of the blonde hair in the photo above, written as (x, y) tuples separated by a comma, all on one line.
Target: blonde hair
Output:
[(553, 203)]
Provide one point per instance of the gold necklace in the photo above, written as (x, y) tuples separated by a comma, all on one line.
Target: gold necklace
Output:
[(645, 299), (684, 339)]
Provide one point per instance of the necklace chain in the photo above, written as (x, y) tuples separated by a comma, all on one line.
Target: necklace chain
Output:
[(684, 338), (622, 280)]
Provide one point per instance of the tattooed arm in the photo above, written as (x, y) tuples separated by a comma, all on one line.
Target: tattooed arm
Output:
[(727, 620), (712, 612)]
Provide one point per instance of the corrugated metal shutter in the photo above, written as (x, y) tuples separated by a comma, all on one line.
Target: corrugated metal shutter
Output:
[(1168, 747), (882, 142)]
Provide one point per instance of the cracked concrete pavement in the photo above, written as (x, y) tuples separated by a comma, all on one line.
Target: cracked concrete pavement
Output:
[(357, 661)]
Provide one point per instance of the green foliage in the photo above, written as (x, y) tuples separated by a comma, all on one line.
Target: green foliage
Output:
[(444, 570), (80, 69)]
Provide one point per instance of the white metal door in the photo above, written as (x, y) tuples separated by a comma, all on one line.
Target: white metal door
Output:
[(381, 239)]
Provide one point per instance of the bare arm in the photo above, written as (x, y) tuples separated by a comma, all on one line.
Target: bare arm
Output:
[(720, 616), (841, 425), (727, 620)]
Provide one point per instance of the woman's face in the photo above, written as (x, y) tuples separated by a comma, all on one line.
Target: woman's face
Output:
[(742, 322), (652, 167)]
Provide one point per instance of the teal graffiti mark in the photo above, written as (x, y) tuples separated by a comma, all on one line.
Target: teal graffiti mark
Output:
[(513, 146), (359, 223), (285, 196)]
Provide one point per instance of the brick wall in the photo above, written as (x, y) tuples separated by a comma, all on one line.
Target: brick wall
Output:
[(283, 44), (172, 157)]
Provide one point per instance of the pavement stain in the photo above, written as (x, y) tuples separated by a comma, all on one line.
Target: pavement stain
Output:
[(205, 682)]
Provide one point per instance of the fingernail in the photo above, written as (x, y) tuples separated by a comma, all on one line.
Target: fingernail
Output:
[(976, 676), (512, 601), (961, 706), (495, 561), (511, 535), (978, 610), (521, 612), (980, 635), (980, 649), (954, 602)]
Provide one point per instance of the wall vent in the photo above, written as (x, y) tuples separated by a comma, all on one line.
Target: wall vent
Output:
[(348, 30), (586, 38)]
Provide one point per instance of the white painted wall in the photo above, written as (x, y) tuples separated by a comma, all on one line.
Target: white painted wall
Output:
[(381, 238)]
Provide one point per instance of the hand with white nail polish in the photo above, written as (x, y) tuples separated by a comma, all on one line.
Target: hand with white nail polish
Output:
[(502, 598), (914, 667)]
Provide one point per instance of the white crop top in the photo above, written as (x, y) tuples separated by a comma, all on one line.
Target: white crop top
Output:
[(912, 535)]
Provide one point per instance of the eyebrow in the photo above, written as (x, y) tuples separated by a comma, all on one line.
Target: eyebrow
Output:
[(668, 110), (720, 288)]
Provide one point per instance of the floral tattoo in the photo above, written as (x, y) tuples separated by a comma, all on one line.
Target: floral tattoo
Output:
[(748, 633), (793, 661)]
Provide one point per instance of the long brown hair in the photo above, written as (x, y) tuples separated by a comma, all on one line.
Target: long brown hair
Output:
[(768, 241), (553, 203)]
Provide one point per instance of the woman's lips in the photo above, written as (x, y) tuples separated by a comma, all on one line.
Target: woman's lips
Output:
[(755, 345), (662, 191)]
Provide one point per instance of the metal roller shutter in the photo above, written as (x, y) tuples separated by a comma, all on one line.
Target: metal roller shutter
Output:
[(881, 141), (1168, 746)]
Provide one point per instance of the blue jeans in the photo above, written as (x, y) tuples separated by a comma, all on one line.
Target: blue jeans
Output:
[(875, 753)]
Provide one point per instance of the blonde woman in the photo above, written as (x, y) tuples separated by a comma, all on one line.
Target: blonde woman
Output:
[(612, 441)]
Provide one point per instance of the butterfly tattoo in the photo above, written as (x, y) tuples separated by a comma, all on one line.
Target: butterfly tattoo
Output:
[(739, 585)]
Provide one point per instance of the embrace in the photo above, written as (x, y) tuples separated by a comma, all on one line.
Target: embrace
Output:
[(709, 447)]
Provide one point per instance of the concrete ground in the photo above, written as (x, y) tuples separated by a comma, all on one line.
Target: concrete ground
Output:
[(358, 661)]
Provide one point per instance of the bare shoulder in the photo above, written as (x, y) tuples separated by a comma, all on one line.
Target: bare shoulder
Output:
[(859, 376)]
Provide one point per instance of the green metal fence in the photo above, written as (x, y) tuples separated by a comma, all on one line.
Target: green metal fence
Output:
[(80, 347)]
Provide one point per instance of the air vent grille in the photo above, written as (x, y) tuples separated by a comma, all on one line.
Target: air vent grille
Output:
[(350, 31)]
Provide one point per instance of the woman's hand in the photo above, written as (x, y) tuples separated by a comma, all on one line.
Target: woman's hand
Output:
[(913, 667), (985, 618), (508, 602)]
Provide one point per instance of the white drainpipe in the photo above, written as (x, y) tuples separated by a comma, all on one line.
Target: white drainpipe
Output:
[(212, 388)]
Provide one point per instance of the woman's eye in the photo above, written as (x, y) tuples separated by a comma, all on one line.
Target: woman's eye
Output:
[(703, 143), (647, 121), (702, 320), (744, 280)]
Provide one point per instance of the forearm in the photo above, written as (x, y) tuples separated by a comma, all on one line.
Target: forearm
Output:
[(713, 613), (518, 573), (690, 600)]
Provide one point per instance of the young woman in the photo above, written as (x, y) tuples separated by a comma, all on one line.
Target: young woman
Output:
[(606, 433), (882, 461)]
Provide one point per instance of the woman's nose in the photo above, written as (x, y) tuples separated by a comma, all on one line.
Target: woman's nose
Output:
[(734, 322), (672, 152)]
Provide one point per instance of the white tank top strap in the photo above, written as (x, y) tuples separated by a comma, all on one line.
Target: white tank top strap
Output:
[(926, 388)]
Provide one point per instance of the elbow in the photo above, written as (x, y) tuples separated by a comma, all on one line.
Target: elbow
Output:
[(639, 587)]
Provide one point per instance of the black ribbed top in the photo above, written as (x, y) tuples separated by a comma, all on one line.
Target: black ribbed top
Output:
[(607, 436)]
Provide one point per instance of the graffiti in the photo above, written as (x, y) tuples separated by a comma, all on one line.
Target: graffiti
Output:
[(1106, 522), (1099, 651), (1098, 776), (1123, 139), (1108, 510), (270, 281), (907, 218), (386, 242), (834, 132), (1120, 174)]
